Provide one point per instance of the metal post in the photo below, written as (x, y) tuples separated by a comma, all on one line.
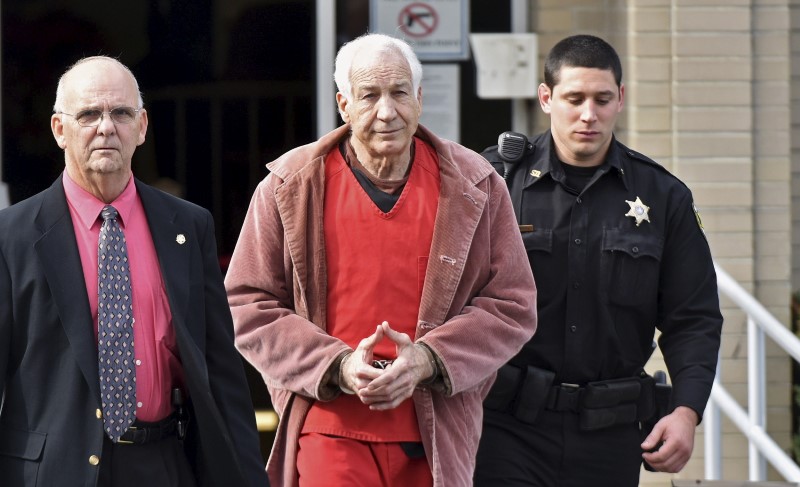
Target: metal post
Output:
[(712, 432), (181, 171), (216, 160), (520, 113), (4, 199), (756, 394), (326, 48)]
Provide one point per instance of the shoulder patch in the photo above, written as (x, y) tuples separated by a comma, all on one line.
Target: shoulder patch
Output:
[(699, 220)]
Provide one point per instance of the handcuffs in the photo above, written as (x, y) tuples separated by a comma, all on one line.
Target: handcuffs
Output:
[(381, 364)]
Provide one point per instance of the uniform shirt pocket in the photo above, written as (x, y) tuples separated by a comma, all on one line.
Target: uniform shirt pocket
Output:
[(630, 266), (540, 239), (539, 247)]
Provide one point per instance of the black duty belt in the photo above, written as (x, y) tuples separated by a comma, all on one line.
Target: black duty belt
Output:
[(605, 403), (600, 404), (600, 394), (140, 432)]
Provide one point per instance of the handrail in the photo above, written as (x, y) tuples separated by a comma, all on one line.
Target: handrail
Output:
[(751, 423), (756, 434), (774, 328)]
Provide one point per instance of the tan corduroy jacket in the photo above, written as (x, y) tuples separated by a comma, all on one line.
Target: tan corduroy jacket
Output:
[(478, 302)]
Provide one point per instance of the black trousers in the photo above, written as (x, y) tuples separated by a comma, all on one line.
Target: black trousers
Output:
[(156, 464), (553, 452)]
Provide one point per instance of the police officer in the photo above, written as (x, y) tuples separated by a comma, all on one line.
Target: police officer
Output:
[(617, 251)]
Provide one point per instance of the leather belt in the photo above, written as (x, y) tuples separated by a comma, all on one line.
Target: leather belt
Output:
[(140, 432)]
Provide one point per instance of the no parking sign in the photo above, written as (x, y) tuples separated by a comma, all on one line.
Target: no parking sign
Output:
[(436, 29)]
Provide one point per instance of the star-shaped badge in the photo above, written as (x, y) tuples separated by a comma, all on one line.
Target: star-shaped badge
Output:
[(638, 211)]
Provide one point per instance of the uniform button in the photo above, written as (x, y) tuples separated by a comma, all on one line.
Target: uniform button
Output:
[(94, 460), (635, 250), (139, 404), (579, 200), (573, 328), (576, 285), (577, 241), (99, 414), (138, 362)]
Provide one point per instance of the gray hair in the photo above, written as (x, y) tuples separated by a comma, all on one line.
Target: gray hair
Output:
[(383, 43), (62, 81)]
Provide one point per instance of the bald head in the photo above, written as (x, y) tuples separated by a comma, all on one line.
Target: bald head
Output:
[(81, 66)]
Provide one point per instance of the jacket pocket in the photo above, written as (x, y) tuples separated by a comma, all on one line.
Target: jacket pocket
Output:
[(20, 454), (630, 265)]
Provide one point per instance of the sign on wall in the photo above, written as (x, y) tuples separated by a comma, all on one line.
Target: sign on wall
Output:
[(436, 29), (507, 65), (441, 100)]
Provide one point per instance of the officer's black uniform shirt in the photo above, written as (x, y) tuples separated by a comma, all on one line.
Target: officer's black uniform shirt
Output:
[(605, 283)]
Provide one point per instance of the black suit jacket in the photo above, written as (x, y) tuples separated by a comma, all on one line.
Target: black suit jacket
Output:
[(49, 425)]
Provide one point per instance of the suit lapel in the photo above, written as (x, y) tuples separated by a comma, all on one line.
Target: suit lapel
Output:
[(60, 262), (300, 201), (166, 229)]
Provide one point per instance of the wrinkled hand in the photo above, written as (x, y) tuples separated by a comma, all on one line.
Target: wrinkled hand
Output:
[(676, 431), (397, 383), (356, 369)]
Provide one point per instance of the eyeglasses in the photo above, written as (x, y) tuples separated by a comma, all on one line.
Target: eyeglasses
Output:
[(93, 116)]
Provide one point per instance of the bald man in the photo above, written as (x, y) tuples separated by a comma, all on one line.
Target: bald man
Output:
[(117, 364)]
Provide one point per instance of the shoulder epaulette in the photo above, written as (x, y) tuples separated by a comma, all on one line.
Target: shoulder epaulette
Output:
[(638, 156)]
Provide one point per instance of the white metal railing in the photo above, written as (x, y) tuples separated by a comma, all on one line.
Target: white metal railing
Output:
[(752, 423)]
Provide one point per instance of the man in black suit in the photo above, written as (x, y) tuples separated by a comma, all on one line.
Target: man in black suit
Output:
[(170, 407)]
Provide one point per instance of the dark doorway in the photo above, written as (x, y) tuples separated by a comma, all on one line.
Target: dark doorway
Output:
[(227, 87)]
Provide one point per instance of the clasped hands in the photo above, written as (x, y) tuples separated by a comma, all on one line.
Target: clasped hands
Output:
[(384, 389)]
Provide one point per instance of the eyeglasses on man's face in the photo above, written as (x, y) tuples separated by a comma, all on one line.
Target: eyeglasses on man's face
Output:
[(93, 116)]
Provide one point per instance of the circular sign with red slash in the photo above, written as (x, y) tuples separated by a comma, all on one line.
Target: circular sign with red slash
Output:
[(418, 20)]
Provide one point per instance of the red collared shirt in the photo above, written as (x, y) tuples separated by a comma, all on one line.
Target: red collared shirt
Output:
[(158, 366)]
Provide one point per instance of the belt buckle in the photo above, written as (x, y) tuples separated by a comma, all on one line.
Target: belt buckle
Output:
[(568, 396), (126, 442)]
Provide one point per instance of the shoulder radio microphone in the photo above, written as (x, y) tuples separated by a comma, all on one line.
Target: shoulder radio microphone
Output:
[(511, 146)]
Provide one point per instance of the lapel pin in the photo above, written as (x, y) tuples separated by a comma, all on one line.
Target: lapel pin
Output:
[(638, 211), (536, 173), (181, 239)]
